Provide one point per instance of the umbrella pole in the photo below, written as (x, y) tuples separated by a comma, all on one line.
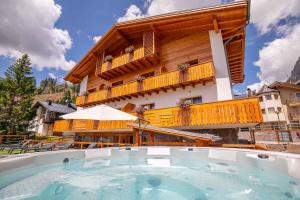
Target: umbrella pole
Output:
[(140, 132)]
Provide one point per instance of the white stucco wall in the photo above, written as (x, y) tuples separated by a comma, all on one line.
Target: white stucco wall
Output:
[(83, 85), (275, 103), (171, 98), (224, 90)]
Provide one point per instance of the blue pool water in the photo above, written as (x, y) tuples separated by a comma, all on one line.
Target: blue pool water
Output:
[(132, 176)]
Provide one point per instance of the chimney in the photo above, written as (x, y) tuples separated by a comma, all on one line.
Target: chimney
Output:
[(249, 92), (49, 102)]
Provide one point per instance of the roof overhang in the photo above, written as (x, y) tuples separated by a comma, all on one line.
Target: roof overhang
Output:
[(277, 85), (231, 19)]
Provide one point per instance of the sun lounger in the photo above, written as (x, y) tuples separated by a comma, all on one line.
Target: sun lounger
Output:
[(12, 148), (24, 142), (63, 146), (33, 147), (46, 147), (92, 145)]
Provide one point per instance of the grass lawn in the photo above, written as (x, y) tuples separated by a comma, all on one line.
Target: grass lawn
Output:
[(5, 152)]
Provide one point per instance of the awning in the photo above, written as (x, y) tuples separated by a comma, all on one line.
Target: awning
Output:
[(100, 112), (186, 134)]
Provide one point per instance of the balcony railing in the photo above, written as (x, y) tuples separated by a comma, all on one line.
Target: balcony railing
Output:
[(123, 60), (295, 116), (242, 111), (80, 100), (294, 102), (125, 89), (196, 73), (96, 96), (145, 55), (233, 112)]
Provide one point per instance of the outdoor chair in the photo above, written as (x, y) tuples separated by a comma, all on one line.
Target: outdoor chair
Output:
[(63, 146), (11, 148), (4, 146), (92, 145), (33, 147), (46, 147)]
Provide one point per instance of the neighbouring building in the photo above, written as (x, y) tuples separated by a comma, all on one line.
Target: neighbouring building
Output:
[(271, 105), (46, 114), (175, 70), (290, 99), (280, 106)]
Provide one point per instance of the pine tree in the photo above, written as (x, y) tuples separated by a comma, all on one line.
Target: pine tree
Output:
[(16, 96), (67, 98)]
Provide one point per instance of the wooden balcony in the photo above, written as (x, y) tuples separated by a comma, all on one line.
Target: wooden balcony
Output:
[(126, 89), (295, 116), (229, 114), (97, 96), (80, 100), (89, 125), (293, 102), (243, 111), (194, 74), (142, 57)]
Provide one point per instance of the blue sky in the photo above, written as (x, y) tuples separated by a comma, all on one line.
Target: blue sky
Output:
[(61, 32)]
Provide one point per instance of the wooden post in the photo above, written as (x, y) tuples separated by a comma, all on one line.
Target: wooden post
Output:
[(137, 138), (152, 137), (277, 136)]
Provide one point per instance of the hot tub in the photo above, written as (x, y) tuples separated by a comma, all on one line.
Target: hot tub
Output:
[(151, 173)]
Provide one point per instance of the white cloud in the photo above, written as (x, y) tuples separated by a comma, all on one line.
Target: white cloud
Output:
[(51, 75), (155, 7), (164, 6), (97, 38), (29, 27), (277, 58), (133, 12), (266, 14)]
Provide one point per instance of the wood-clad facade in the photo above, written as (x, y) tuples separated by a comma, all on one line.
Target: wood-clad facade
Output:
[(176, 70)]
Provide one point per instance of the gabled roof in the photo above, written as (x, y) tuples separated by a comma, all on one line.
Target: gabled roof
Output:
[(54, 107), (230, 18), (266, 89)]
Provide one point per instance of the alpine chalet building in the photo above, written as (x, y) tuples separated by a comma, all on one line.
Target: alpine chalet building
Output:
[(174, 70)]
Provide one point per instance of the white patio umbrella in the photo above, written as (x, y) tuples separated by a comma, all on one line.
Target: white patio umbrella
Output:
[(104, 112), (100, 112)]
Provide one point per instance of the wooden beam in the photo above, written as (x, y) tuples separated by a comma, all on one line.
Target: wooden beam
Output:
[(123, 36), (215, 22), (154, 29)]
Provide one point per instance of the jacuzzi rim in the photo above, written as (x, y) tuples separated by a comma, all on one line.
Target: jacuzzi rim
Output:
[(10, 158)]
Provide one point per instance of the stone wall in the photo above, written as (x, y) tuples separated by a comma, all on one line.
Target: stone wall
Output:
[(229, 135), (268, 136)]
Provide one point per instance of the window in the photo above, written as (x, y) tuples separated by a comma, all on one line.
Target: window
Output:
[(261, 99), (279, 109), (268, 97), (298, 95), (263, 111), (150, 74), (276, 96), (148, 106), (271, 110), (117, 83), (194, 100)]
